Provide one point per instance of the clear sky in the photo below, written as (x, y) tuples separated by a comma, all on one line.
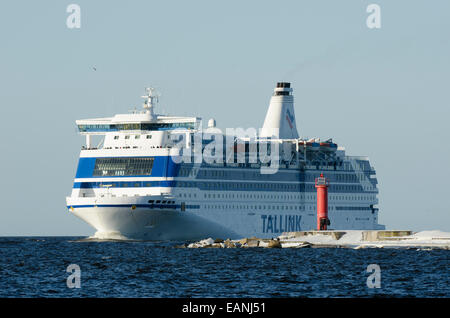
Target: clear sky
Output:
[(382, 92)]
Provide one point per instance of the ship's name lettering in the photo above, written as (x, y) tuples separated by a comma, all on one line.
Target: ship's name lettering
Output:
[(280, 223)]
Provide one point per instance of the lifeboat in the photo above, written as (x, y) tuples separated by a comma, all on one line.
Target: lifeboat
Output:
[(328, 146), (310, 144)]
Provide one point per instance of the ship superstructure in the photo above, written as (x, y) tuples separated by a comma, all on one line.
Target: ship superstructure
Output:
[(159, 177)]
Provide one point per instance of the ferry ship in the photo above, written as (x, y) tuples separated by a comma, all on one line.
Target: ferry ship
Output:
[(161, 177)]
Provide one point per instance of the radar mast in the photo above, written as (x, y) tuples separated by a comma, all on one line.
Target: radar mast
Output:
[(151, 99)]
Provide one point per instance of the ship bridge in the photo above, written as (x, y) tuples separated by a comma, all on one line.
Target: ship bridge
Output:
[(137, 123), (134, 122)]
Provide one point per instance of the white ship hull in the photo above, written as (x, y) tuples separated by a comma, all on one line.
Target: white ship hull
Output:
[(125, 218), (128, 220)]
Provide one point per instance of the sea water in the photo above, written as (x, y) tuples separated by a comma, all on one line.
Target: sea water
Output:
[(37, 267)]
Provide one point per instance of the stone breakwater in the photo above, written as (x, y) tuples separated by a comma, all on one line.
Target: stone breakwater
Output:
[(356, 239), (243, 243)]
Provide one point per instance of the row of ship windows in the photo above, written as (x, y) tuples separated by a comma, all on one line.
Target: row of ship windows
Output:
[(283, 207), (351, 197), (272, 196), (135, 137), (264, 186), (255, 207), (252, 174), (345, 177), (135, 126), (125, 166), (162, 202)]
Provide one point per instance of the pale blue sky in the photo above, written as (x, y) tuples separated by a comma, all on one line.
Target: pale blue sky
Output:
[(381, 93)]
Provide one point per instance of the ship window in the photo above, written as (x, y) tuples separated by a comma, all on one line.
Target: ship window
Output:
[(137, 137), (149, 136), (127, 137), (122, 166), (116, 137)]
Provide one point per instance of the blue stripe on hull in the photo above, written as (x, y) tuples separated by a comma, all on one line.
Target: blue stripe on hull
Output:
[(163, 166)]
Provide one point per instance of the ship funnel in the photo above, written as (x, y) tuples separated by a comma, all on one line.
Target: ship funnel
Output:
[(280, 114)]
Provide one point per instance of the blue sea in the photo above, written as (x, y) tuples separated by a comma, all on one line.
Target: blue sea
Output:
[(37, 267)]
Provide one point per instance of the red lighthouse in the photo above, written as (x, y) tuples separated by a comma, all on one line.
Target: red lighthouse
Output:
[(322, 203)]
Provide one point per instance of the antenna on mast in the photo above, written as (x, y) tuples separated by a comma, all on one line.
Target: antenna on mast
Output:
[(151, 99)]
